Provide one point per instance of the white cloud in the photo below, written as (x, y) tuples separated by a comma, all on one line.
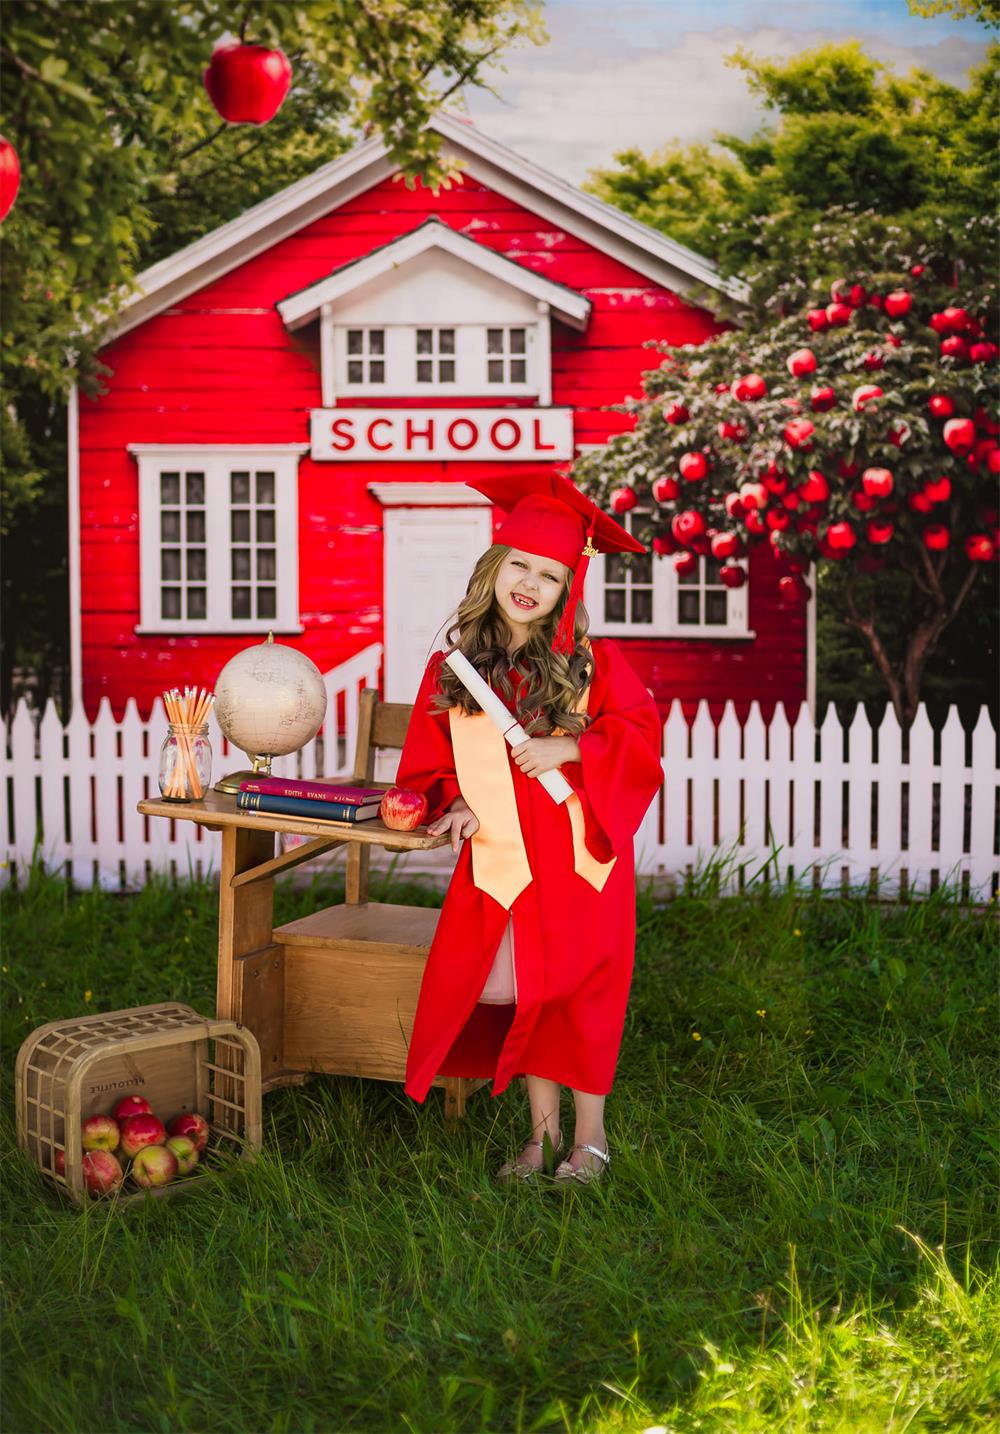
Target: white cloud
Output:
[(606, 84)]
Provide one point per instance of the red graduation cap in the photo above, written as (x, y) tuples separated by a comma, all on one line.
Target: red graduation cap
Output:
[(548, 515)]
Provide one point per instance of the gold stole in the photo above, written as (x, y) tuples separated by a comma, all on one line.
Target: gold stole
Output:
[(499, 860)]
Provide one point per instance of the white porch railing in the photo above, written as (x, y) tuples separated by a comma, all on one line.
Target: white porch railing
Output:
[(826, 807)]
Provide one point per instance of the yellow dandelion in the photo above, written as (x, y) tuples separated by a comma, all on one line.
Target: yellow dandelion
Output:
[(3, 968), (86, 995), (809, 1030), (695, 1036), (762, 1014), (796, 932)]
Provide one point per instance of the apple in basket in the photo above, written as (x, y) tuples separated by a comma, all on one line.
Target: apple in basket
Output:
[(138, 1131), (154, 1165), (100, 1132), (194, 1126), (131, 1105), (402, 810), (185, 1152), (102, 1173)]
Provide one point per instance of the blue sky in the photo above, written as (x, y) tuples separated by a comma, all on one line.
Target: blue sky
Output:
[(642, 72)]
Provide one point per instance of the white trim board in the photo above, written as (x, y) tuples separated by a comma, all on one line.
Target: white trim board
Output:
[(302, 307), (638, 245), (417, 495)]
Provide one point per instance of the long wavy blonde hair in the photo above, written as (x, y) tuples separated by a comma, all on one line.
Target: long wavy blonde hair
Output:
[(554, 681)]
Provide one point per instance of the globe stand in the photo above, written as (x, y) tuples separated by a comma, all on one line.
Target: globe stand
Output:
[(229, 785)]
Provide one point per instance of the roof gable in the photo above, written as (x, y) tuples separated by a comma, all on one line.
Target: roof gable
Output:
[(429, 237), (257, 229)]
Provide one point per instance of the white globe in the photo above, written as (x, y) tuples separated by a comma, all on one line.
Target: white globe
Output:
[(270, 700)]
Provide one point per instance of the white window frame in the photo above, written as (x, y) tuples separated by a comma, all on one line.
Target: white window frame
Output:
[(217, 461), (470, 356), (666, 596)]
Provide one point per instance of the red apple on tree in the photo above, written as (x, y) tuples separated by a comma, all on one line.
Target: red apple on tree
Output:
[(725, 545), (801, 362), (938, 490), (817, 320), (960, 435), (675, 413), (936, 537), (194, 1126), (815, 489), (841, 536), (247, 84), (749, 388), (666, 489), (865, 394), (940, 405), (687, 525), (401, 810), (822, 399), (879, 530), (732, 576), (979, 547), (10, 177), (623, 499), (898, 303), (838, 314), (693, 466), (877, 482), (798, 433), (955, 319), (664, 544), (753, 495), (685, 564)]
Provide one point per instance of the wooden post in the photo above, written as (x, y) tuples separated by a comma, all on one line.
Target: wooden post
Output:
[(250, 975)]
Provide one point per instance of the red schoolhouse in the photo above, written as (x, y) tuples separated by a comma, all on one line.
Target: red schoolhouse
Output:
[(295, 401)]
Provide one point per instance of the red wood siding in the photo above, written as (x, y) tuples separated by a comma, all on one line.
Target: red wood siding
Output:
[(220, 367)]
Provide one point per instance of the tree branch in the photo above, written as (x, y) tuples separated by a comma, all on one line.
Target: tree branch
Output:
[(866, 626)]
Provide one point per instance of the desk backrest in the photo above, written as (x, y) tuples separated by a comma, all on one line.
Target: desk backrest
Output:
[(380, 725)]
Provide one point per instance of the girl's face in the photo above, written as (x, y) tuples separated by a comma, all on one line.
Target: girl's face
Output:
[(528, 588)]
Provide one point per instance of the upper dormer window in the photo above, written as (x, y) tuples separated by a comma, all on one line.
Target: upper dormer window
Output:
[(507, 355), (435, 356), (366, 355)]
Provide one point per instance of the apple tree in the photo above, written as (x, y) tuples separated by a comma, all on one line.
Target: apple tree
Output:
[(859, 429)]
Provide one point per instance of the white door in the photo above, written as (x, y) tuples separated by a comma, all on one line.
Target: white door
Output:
[(429, 557)]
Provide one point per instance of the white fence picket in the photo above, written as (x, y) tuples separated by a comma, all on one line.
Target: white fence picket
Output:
[(741, 795)]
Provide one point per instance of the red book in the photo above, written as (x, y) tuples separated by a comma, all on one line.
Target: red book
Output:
[(319, 789)]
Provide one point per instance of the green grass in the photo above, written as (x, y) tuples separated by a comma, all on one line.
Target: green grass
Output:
[(799, 1231)]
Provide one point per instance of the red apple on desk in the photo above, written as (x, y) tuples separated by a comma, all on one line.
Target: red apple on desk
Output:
[(402, 810)]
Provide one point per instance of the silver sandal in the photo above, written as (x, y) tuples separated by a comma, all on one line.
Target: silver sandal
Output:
[(584, 1174), (518, 1169)]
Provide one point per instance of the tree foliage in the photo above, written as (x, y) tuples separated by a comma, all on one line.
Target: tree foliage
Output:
[(916, 149), (124, 160), (834, 452)]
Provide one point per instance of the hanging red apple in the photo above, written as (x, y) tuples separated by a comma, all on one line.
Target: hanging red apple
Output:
[(247, 84), (725, 545), (898, 303), (838, 314), (693, 466), (665, 490), (822, 399), (841, 537), (798, 433), (847, 470), (917, 270), (801, 362), (960, 435), (749, 388), (940, 405), (685, 564), (857, 296), (955, 319), (817, 320), (753, 495), (734, 505), (876, 301), (873, 360), (10, 177), (623, 499), (732, 575), (979, 548), (793, 591), (879, 530), (954, 347), (936, 537), (664, 544), (735, 432), (675, 413), (864, 395), (877, 482), (983, 352), (778, 519), (893, 340), (687, 525), (918, 502), (862, 501), (790, 500), (938, 490), (939, 323), (815, 489), (983, 421)]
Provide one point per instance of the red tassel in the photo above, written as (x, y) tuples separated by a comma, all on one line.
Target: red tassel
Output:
[(564, 639)]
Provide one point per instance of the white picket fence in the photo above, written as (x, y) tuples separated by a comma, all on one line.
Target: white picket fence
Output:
[(754, 802)]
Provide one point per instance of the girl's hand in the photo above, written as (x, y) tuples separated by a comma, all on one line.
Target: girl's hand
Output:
[(460, 821), (545, 754)]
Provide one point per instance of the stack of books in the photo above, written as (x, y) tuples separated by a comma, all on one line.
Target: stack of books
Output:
[(320, 799)]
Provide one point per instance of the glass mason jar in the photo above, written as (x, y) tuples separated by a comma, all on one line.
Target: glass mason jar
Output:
[(185, 762)]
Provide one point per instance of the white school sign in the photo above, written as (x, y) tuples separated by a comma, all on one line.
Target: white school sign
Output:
[(422, 433)]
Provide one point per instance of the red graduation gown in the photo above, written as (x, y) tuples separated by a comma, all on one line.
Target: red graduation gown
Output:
[(573, 945)]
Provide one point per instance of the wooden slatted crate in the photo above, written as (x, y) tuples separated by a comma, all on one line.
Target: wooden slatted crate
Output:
[(179, 1060)]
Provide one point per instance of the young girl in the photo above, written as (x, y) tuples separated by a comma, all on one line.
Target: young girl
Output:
[(531, 963)]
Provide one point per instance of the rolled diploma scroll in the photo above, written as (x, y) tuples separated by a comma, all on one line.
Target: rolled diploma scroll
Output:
[(554, 782)]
